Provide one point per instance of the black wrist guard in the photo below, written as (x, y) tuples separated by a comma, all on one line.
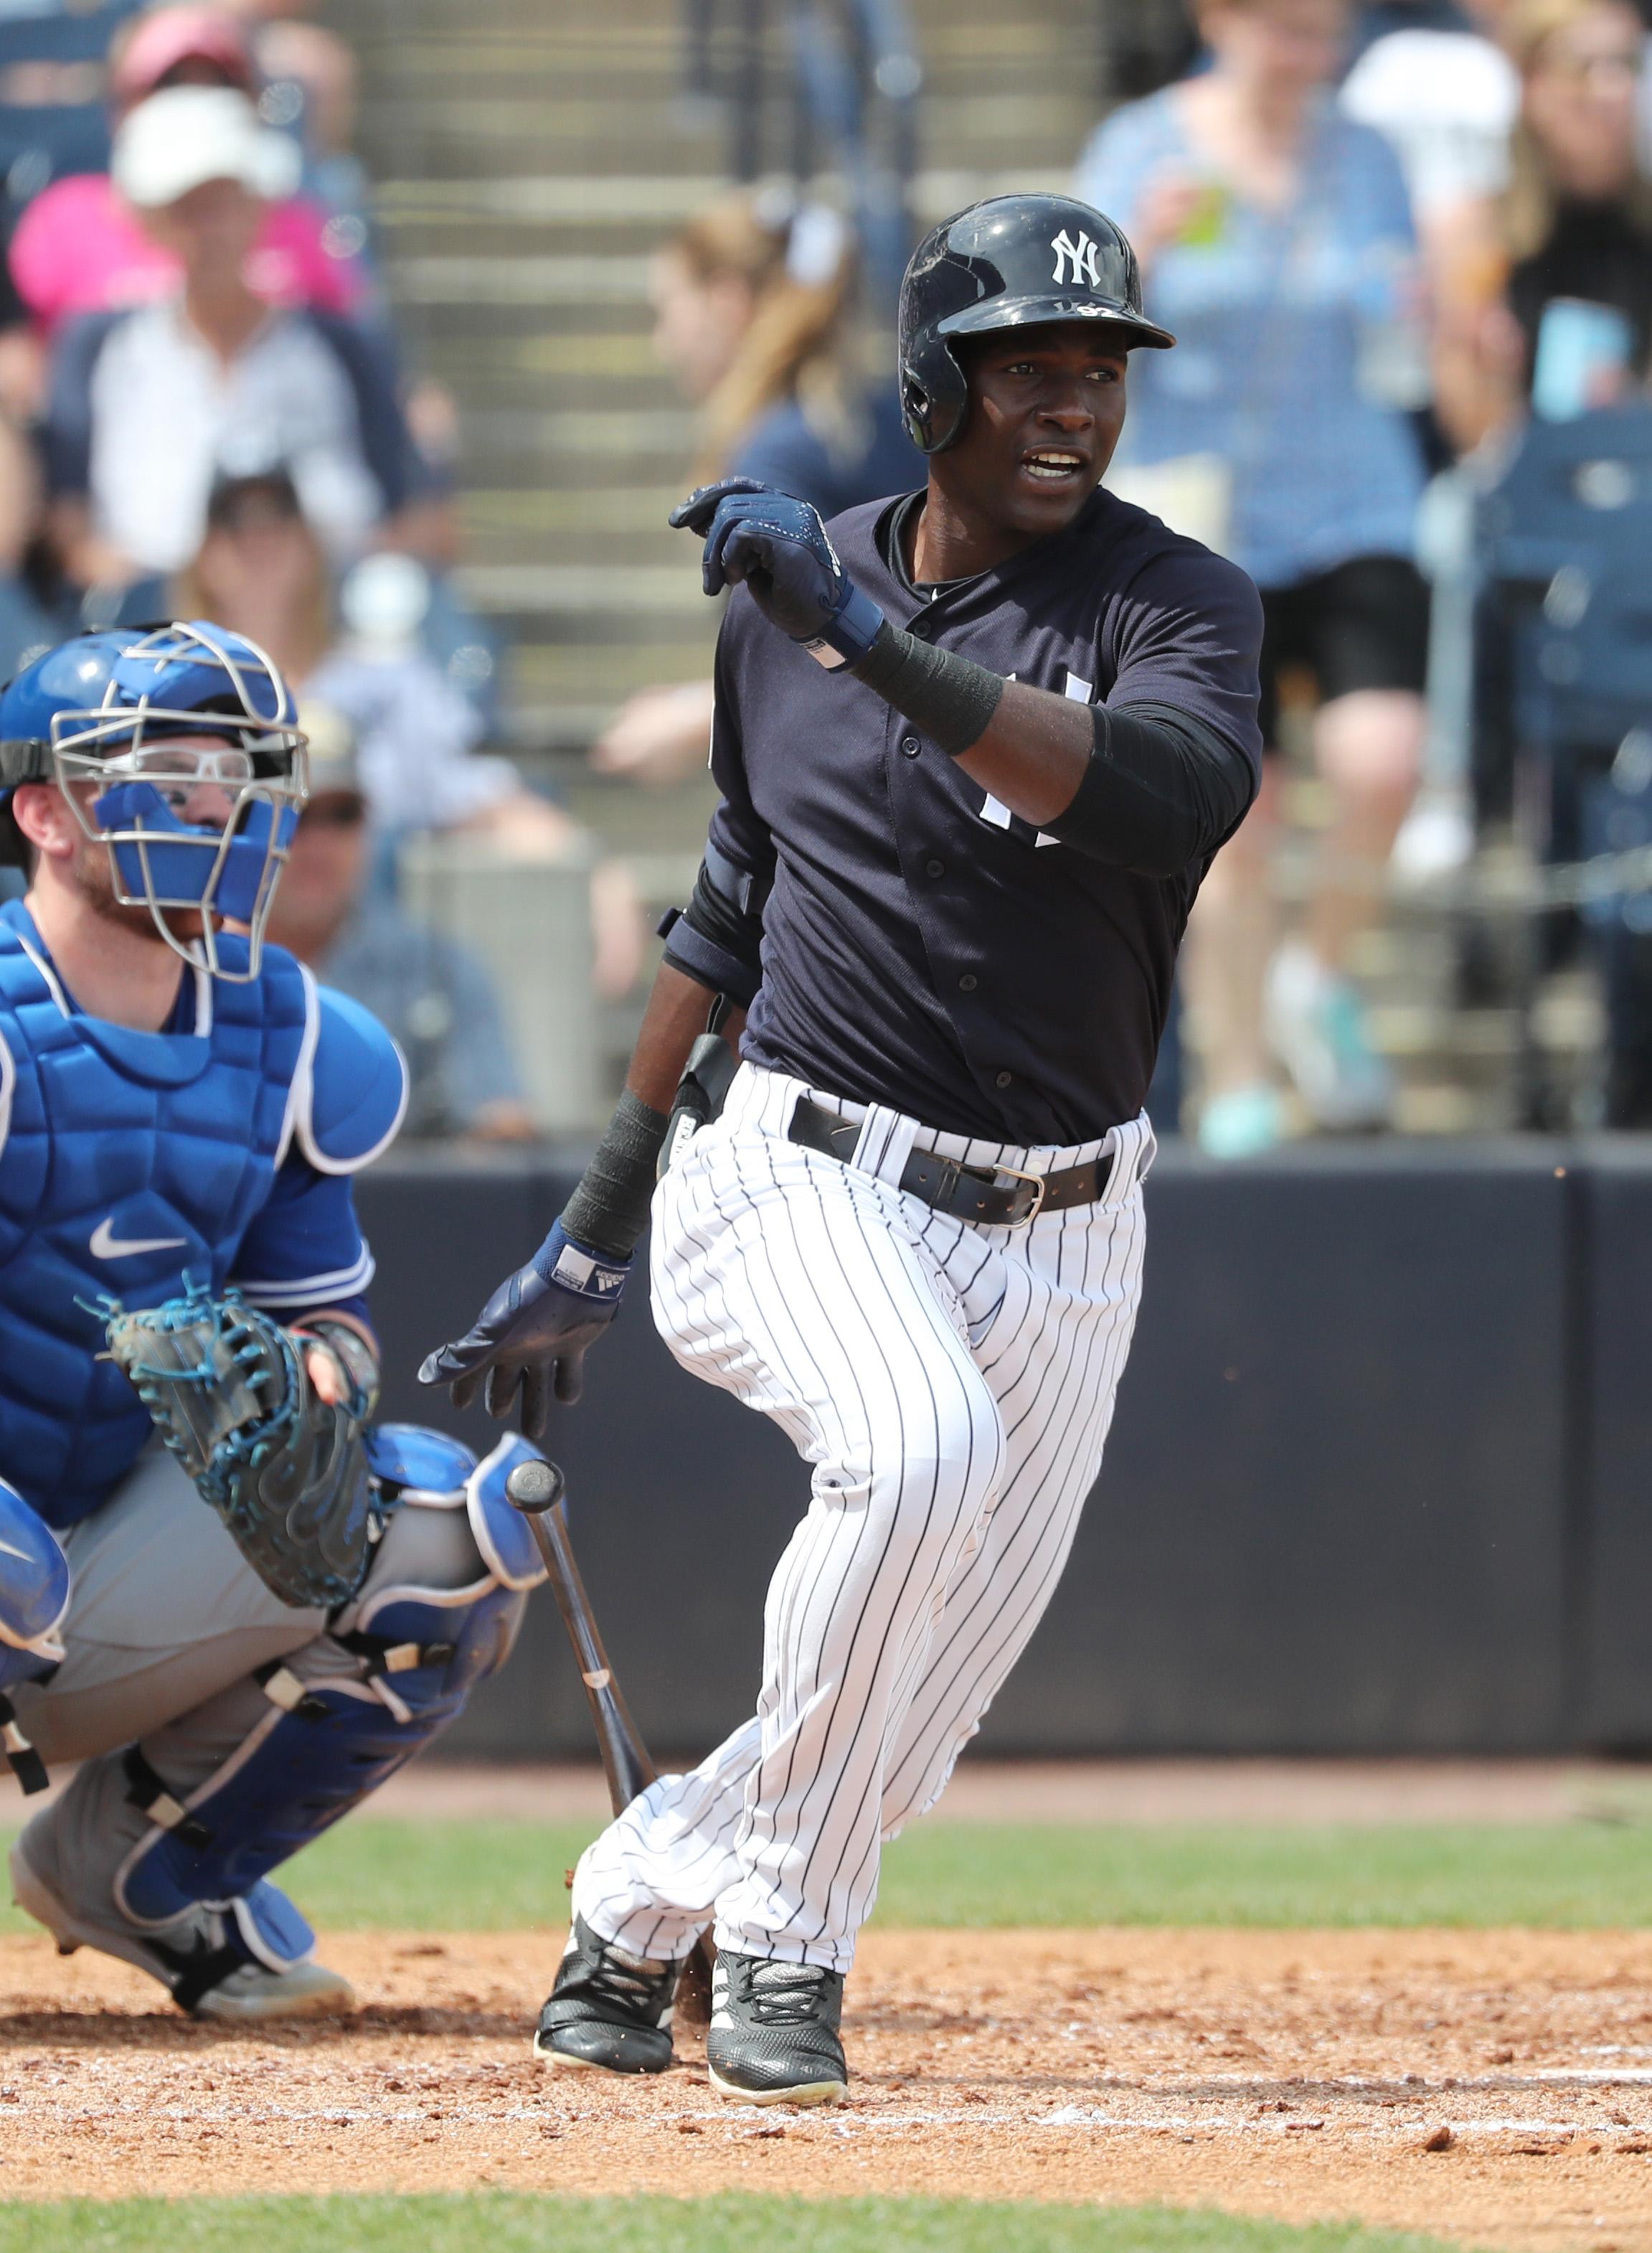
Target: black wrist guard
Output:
[(609, 1210), (951, 698)]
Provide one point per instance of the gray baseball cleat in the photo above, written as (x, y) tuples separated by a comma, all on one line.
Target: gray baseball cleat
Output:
[(608, 2011), (205, 1961), (774, 2032)]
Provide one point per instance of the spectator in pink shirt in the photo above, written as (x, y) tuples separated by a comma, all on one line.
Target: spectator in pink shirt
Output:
[(78, 249)]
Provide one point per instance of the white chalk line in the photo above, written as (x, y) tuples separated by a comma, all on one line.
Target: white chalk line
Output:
[(744, 2119)]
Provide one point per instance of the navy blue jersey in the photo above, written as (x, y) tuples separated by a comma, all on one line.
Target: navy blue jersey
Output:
[(922, 948)]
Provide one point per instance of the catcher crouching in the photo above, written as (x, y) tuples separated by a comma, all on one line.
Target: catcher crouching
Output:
[(235, 1601)]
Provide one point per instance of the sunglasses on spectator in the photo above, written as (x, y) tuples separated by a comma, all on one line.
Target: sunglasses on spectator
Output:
[(334, 812)]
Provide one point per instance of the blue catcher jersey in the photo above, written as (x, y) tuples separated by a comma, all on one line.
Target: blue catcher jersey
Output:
[(131, 1161)]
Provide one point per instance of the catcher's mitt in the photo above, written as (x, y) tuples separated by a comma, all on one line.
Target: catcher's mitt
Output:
[(286, 1471)]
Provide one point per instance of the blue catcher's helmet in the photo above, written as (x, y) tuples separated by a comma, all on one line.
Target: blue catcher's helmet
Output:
[(135, 729)]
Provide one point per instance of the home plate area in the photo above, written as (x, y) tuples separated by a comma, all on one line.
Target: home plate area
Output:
[(1494, 2087)]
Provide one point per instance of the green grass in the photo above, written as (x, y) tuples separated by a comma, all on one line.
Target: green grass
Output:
[(1579, 1874), (499, 1875), (507, 2223)]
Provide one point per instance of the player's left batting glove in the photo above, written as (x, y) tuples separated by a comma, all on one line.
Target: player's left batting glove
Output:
[(535, 1332), (779, 549)]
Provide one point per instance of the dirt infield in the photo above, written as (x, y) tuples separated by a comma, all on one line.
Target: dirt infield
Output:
[(1496, 2086)]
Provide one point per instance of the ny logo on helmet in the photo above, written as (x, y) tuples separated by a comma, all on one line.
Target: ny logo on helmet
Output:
[(1080, 256)]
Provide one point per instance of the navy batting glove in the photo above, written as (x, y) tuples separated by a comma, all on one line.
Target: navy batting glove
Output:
[(779, 549), (535, 1332)]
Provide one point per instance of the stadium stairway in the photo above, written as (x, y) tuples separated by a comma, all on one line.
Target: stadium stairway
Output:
[(529, 157)]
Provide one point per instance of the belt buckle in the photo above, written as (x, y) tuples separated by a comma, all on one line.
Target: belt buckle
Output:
[(1040, 1185)]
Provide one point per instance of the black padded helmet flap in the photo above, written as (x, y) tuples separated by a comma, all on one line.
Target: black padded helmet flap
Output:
[(1004, 264)]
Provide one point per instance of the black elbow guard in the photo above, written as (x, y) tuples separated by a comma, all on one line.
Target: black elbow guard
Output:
[(717, 938), (712, 966)]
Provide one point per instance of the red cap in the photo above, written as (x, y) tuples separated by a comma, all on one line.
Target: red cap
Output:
[(160, 42)]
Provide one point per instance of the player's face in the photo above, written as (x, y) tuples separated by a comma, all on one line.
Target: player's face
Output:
[(197, 778), (1045, 408)]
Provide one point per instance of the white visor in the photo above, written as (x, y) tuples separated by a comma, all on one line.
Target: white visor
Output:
[(185, 135)]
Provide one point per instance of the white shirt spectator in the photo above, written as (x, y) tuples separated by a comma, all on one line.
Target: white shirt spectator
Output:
[(1447, 101), (144, 417)]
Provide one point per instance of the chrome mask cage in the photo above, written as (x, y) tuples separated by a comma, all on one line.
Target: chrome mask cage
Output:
[(101, 746)]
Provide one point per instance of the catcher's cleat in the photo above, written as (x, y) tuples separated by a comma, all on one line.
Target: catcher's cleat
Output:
[(774, 2032), (203, 1961), (607, 2011)]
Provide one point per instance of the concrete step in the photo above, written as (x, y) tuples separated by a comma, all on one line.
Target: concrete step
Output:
[(630, 591), (612, 436), (491, 133), (622, 213), (586, 671)]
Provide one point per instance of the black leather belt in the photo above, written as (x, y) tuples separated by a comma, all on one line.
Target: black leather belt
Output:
[(976, 1193)]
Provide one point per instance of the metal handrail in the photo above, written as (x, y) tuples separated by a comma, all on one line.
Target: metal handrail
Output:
[(808, 86)]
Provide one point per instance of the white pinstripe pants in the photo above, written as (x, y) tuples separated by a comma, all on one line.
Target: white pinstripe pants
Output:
[(952, 1387)]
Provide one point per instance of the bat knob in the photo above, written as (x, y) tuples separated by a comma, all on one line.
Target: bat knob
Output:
[(535, 1486)]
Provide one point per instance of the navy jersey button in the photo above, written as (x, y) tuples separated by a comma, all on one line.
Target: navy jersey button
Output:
[(935, 867), (911, 746), (1004, 1079), (966, 984)]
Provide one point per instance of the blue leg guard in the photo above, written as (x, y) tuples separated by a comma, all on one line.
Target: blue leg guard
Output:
[(437, 1614), (34, 1596)]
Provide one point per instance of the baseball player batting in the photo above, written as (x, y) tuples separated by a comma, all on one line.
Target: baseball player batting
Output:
[(242, 1631), (977, 746)]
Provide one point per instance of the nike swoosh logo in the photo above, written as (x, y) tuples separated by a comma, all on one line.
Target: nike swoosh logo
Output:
[(107, 1246), (22, 1555)]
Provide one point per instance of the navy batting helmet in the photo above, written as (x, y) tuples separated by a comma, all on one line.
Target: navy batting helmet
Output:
[(1005, 264)]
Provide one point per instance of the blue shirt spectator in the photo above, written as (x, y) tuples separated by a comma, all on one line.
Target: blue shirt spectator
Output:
[(434, 997), (1288, 324), (439, 1001)]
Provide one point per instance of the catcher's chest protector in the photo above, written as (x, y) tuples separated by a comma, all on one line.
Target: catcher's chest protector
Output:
[(129, 1161)]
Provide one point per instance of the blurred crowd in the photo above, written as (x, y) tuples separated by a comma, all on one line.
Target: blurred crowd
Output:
[(1386, 237), (204, 412)]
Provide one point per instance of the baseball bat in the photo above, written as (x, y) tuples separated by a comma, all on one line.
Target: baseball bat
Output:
[(538, 1490)]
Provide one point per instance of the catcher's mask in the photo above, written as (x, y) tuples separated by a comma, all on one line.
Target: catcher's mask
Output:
[(188, 734)]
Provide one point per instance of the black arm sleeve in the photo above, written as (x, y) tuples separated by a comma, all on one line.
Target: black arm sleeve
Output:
[(1162, 791), (951, 698)]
